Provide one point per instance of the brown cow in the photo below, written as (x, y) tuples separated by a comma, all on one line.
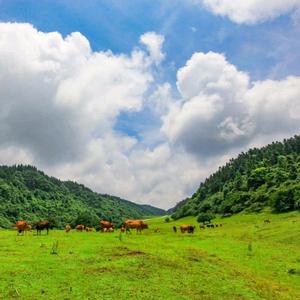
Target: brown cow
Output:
[(139, 225), (22, 226), (41, 225), (80, 227), (187, 228), (106, 224), (123, 229), (68, 228)]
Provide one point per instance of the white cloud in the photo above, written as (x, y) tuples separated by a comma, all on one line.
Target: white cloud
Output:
[(221, 110), (250, 11), (60, 102), (154, 43)]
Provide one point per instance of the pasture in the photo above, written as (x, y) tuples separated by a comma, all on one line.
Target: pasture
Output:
[(244, 259)]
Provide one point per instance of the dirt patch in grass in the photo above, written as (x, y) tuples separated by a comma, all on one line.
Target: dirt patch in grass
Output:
[(124, 251), (135, 253)]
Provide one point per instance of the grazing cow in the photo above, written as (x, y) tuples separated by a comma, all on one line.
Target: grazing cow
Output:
[(111, 229), (202, 226), (139, 225), (267, 221), (106, 224), (80, 227), (41, 225), (208, 225), (212, 226), (68, 228), (220, 225), (174, 229), (187, 228), (123, 229), (22, 226), (89, 229)]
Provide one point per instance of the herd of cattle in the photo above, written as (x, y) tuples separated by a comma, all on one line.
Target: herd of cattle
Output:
[(106, 226)]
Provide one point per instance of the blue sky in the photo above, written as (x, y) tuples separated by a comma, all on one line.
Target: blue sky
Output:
[(117, 25), (143, 128)]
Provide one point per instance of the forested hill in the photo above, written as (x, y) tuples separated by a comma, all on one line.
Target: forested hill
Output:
[(269, 176), (29, 194)]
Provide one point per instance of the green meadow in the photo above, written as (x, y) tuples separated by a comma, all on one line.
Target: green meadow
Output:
[(244, 259)]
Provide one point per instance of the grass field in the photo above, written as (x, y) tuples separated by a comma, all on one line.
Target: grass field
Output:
[(245, 259)]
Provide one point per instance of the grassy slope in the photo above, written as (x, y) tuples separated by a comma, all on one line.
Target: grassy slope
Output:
[(211, 264)]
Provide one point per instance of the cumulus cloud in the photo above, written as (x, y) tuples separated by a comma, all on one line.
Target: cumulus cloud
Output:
[(250, 11), (222, 110), (154, 43), (56, 93), (60, 102)]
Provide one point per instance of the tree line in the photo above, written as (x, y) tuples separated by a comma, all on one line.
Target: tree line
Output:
[(28, 194), (259, 178)]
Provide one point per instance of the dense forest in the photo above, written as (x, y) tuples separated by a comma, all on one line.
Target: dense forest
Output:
[(29, 194), (260, 178)]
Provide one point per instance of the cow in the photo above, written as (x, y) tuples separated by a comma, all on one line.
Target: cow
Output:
[(267, 221), (123, 229), (68, 228), (202, 226), (174, 229), (80, 227), (111, 229), (41, 225), (187, 228), (89, 229), (139, 225), (22, 226), (106, 224)]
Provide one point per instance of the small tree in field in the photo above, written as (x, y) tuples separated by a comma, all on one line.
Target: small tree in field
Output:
[(205, 217)]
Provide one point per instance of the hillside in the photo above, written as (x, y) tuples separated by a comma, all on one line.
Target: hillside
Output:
[(259, 178), (29, 194)]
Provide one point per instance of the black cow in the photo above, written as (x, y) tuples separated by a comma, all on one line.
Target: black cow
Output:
[(41, 225)]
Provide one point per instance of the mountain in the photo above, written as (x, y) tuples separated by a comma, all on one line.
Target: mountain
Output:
[(29, 194), (259, 178)]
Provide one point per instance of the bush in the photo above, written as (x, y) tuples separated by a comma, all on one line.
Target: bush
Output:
[(205, 217), (167, 219)]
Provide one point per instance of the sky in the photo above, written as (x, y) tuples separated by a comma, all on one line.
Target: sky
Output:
[(145, 99)]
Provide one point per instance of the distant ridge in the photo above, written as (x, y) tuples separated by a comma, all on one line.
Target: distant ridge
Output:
[(259, 178), (29, 194)]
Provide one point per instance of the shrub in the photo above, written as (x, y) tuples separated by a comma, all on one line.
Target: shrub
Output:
[(205, 217)]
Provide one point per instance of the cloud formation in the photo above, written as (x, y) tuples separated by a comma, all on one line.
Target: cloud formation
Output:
[(60, 102), (250, 11), (222, 110), (154, 43)]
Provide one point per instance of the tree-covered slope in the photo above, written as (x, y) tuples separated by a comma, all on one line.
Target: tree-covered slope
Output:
[(269, 176), (29, 194)]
